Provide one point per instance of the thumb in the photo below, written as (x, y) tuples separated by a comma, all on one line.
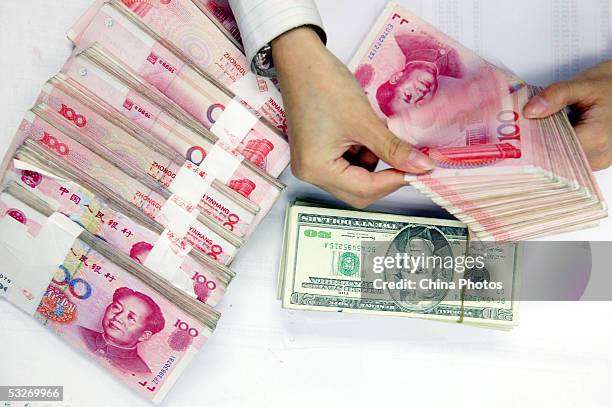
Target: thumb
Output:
[(398, 154), (555, 98)]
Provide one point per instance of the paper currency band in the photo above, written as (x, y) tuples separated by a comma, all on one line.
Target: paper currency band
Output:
[(255, 90), (33, 261), (179, 219), (177, 214), (180, 211), (193, 181), (170, 250), (220, 163), (24, 166), (194, 186), (234, 124), (189, 184), (168, 254)]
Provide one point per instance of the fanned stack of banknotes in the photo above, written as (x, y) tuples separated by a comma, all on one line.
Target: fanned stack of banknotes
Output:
[(507, 177), (142, 169)]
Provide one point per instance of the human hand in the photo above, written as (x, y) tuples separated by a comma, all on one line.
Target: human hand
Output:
[(336, 138), (591, 93)]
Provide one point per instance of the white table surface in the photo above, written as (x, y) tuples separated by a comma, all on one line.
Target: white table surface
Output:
[(261, 355)]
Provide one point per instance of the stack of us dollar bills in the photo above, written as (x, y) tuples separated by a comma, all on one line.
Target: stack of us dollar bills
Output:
[(383, 264)]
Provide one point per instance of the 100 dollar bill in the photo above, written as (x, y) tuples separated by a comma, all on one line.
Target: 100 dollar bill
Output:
[(328, 263)]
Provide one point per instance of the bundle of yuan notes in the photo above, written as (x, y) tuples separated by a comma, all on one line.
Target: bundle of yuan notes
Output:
[(139, 173), (508, 178), (329, 263), (220, 12)]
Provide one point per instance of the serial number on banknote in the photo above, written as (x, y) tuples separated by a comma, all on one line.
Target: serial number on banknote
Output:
[(348, 247)]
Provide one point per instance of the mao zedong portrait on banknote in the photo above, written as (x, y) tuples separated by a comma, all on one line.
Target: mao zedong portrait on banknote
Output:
[(427, 61), (129, 320)]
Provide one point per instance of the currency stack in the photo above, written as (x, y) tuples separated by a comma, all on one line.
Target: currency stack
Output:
[(144, 166), (508, 178), (327, 265), (220, 12)]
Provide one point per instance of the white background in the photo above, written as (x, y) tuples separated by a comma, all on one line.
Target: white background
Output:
[(559, 355)]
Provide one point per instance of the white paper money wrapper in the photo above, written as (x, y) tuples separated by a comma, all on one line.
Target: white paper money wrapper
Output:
[(29, 263), (234, 124), (247, 89), (180, 212)]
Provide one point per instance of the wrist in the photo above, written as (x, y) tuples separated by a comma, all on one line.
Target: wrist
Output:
[(297, 44)]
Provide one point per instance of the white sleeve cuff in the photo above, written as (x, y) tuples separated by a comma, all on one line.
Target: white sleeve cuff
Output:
[(261, 21)]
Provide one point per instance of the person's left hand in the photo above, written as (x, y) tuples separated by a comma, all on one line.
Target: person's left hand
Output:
[(591, 93), (336, 138)]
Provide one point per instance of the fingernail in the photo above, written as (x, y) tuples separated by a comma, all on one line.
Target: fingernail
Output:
[(409, 178), (420, 161), (537, 107)]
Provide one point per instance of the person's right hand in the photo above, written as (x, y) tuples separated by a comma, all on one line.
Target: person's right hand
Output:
[(591, 93), (335, 136)]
